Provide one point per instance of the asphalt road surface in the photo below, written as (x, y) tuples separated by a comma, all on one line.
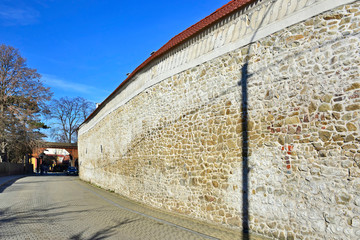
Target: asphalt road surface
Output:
[(63, 207)]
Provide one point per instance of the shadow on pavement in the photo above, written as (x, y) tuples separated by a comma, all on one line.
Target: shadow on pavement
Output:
[(8, 183), (44, 215), (102, 234), (50, 215)]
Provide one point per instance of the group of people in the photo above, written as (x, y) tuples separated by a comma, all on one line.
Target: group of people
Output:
[(42, 167)]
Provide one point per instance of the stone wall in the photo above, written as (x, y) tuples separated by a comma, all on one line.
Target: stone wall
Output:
[(173, 137)]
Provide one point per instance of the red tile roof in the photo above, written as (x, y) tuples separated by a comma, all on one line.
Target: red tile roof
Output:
[(180, 38)]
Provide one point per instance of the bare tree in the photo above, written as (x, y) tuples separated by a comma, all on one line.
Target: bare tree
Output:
[(22, 101), (67, 114)]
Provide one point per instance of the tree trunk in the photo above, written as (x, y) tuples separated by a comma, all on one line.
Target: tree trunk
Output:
[(3, 154)]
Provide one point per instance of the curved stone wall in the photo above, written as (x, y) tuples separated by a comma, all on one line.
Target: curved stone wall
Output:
[(172, 138)]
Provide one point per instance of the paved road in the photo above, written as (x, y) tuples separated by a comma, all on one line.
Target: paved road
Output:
[(63, 207)]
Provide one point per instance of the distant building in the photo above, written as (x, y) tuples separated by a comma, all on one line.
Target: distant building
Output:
[(65, 153)]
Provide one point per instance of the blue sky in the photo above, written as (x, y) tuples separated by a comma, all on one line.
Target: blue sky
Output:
[(85, 47)]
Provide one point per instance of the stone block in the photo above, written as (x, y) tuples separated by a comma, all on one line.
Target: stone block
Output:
[(349, 147), (337, 138), (353, 87), (318, 146), (326, 98), (340, 129), (325, 107), (281, 140), (347, 116), (336, 115), (209, 198), (338, 107), (349, 138), (353, 107), (292, 120), (351, 127), (312, 107), (342, 198), (325, 136)]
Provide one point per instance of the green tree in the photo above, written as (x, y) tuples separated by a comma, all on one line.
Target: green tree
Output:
[(23, 100), (67, 114)]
